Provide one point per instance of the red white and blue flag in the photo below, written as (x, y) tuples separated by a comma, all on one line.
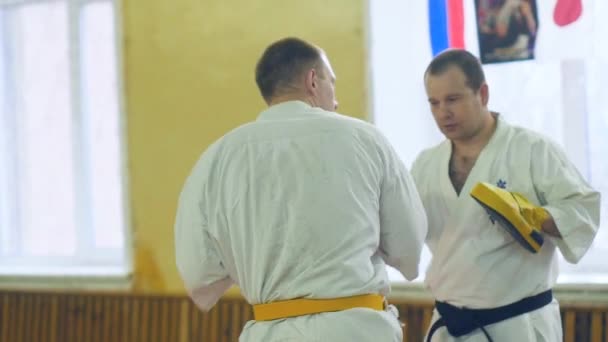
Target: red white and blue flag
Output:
[(561, 26)]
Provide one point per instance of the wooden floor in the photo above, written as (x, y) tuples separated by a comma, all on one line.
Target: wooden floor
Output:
[(72, 317)]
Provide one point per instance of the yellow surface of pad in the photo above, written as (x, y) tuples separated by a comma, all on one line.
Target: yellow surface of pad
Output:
[(513, 210)]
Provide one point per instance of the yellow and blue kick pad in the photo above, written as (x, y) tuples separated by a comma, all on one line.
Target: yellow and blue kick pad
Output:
[(514, 213)]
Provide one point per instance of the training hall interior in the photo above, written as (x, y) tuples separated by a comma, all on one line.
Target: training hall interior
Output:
[(107, 104)]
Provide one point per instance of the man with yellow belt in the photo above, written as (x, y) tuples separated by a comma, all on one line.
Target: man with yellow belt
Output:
[(301, 209)]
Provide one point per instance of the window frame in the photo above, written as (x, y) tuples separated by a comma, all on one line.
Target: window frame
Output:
[(31, 274)]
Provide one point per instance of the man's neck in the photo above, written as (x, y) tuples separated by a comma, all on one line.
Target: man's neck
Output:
[(289, 97), (472, 147)]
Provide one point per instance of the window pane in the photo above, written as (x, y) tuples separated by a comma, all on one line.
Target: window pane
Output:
[(38, 40), (61, 205), (593, 267), (102, 129), (5, 139)]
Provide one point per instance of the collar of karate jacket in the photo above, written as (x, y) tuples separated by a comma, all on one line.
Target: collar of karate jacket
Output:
[(291, 110)]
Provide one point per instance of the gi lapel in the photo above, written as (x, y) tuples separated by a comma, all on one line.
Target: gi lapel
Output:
[(459, 205)]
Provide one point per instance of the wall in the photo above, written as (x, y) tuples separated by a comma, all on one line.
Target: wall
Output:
[(188, 73), (66, 317)]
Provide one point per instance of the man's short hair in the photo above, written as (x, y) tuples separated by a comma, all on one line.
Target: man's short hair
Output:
[(283, 62), (464, 60)]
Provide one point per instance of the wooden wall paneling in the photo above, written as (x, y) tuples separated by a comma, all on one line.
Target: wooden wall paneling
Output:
[(597, 328), (85, 317)]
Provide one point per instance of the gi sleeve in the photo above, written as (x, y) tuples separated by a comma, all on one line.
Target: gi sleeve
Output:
[(403, 222), (570, 200), (197, 258)]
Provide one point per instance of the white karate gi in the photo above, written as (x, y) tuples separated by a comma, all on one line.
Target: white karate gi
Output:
[(300, 203), (477, 264)]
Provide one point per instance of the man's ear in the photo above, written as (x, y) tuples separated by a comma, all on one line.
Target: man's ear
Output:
[(310, 80), (484, 92)]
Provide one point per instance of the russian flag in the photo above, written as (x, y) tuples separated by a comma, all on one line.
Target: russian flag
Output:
[(446, 24), (564, 27)]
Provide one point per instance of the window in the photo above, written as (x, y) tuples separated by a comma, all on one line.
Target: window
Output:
[(61, 182), (542, 94)]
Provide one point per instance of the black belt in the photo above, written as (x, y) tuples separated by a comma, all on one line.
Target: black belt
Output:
[(461, 321)]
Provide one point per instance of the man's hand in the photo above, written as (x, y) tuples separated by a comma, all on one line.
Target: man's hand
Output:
[(549, 227), (536, 216)]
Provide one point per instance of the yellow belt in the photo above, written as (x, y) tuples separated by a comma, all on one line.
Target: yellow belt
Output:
[(303, 306)]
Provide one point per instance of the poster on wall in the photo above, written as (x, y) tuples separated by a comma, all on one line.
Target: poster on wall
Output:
[(506, 29)]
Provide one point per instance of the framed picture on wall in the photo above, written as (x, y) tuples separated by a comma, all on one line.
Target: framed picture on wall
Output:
[(506, 29)]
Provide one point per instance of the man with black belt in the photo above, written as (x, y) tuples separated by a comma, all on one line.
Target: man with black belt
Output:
[(500, 200), (302, 209)]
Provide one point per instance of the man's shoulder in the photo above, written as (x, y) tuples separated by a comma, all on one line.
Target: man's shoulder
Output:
[(244, 131), (429, 155), (520, 137), (358, 127), (332, 122), (350, 121), (225, 141)]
